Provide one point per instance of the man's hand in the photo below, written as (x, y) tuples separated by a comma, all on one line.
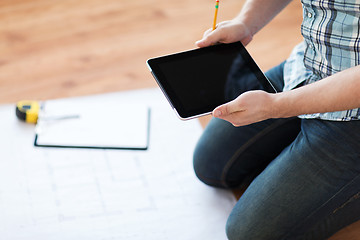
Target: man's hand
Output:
[(249, 107), (226, 32)]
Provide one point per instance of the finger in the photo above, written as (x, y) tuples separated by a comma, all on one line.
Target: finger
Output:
[(207, 32), (210, 38), (201, 42), (227, 109), (234, 119), (237, 119)]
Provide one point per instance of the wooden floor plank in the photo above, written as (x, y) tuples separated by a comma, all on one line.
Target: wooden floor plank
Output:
[(52, 49)]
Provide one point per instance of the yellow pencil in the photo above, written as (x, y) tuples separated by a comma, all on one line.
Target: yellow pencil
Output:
[(216, 11)]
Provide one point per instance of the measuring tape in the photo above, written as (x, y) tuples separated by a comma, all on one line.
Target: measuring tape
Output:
[(28, 111)]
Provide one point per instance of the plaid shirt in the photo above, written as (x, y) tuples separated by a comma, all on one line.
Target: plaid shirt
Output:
[(331, 31)]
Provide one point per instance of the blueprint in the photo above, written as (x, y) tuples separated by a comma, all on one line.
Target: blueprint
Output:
[(56, 193)]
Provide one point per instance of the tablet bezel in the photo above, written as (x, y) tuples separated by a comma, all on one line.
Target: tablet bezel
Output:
[(184, 114)]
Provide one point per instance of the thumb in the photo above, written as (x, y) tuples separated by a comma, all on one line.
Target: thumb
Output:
[(226, 109), (210, 38)]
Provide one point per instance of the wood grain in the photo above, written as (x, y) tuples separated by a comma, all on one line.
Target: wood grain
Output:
[(63, 48)]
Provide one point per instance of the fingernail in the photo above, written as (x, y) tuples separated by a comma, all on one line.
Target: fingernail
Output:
[(217, 113)]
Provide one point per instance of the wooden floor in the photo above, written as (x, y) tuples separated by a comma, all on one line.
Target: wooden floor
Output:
[(63, 48)]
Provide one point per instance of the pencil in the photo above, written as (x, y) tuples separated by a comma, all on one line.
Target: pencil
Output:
[(215, 16)]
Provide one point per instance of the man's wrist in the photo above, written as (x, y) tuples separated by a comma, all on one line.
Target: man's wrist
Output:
[(281, 105)]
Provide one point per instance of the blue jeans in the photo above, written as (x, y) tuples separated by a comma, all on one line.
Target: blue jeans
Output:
[(304, 174)]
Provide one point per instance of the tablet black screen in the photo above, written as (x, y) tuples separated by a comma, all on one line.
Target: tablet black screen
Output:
[(199, 80)]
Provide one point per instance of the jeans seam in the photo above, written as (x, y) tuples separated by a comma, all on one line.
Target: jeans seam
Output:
[(251, 141), (333, 212)]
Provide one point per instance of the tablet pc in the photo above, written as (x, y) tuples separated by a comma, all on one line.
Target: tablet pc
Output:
[(195, 82)]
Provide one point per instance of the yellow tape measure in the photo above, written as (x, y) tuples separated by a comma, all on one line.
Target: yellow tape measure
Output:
[(28, 111)]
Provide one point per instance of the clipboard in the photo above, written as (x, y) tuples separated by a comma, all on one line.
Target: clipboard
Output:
[(80, 123)]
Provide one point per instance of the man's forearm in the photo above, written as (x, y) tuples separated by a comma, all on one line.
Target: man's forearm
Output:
[(255, 14), (338, 92)]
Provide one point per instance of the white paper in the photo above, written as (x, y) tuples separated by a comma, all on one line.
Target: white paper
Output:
[(79, 122), (96, 194)]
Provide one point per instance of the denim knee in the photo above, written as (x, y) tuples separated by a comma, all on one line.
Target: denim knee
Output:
[(231, 232), (203, 163)]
